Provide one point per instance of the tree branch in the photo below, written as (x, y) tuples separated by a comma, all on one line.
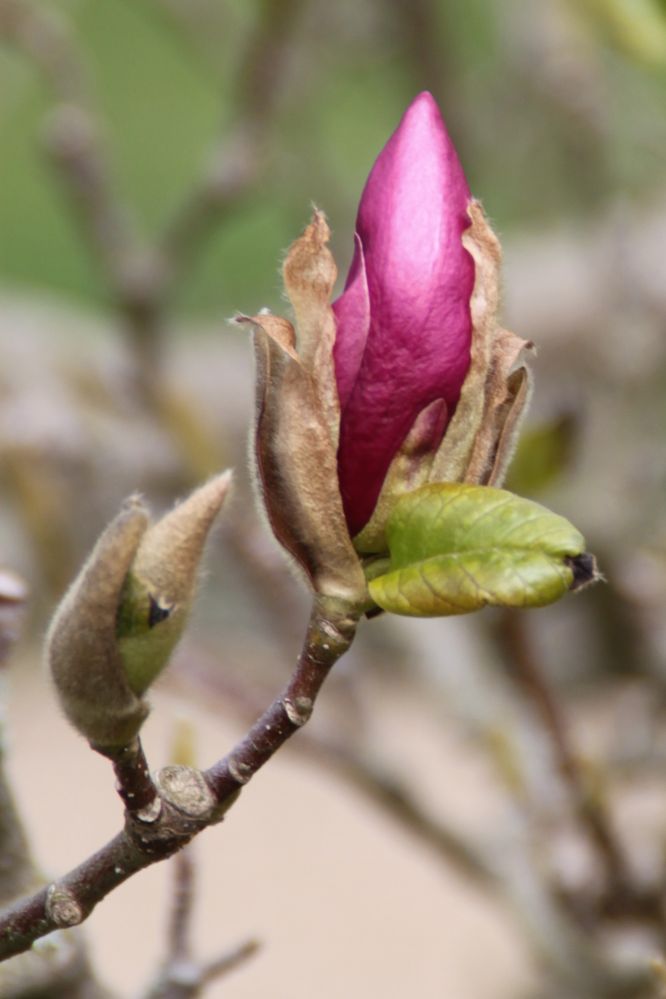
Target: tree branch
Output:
[(191, 800), (230, 961), (135, 785), (393, 795), (593, 818), (140, 276), (238, 160), (182, 976), (181, 911)]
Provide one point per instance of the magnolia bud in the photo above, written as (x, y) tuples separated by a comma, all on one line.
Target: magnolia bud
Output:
[(118, 625), (431, 388), (403, 387), (403, 322), (82, 645)]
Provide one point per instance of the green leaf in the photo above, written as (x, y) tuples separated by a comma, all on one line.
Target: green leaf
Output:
[(457, 548), (148, 631)]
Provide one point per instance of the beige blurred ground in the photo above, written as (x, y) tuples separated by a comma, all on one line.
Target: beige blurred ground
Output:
[(344, 903)]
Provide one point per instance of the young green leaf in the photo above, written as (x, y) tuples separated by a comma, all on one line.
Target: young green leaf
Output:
[(457, 548)]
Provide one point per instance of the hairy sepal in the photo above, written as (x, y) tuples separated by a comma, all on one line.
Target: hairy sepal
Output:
[(297, 422), (479, 440), (82, 647)]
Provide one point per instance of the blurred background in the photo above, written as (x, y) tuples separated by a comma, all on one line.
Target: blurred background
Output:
[(478, 809)]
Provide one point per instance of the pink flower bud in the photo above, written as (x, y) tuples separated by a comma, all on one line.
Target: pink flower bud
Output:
[(403, 321)]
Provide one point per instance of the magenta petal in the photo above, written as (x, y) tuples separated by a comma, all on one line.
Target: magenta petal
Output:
[(420, 278), (352, 313)]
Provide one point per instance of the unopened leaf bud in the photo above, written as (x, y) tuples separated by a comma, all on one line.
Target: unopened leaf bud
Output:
[(117, 626), (82, 646), (160, 586)]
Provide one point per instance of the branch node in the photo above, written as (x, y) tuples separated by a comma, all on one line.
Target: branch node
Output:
[(62, 907), (240, 771), (186, 790), (298, 710), (185, 974)]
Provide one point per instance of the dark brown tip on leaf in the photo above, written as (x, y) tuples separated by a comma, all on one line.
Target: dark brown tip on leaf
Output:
[(585, 570), (156, 612)]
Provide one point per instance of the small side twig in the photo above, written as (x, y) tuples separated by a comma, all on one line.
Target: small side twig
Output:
[(182, 904), (42, 35), (230, 961), (185, 980), (182, 976)]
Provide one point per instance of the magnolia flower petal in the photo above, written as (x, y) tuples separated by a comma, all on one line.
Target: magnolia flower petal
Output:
[(352, 314), (412, 215)]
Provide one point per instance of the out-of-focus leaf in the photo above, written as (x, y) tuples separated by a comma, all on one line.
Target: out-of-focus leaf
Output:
[(637, 27), (457, 548), (543, 455)]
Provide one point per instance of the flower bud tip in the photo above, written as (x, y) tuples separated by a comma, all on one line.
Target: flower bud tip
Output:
[(160, 586)]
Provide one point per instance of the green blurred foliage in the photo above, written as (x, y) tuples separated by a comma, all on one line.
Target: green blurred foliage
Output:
[(637, 27), (543, 455), (555, 107)]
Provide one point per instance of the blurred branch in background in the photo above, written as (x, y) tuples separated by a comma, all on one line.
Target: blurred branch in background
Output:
[(524, 670), (140, 277), (182, 976), (61, 969), (242, 157)]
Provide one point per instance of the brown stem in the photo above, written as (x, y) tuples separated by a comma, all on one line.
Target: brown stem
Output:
[(190, 800), (330, 633), (394, 796), (135, 785)]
